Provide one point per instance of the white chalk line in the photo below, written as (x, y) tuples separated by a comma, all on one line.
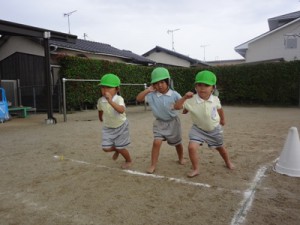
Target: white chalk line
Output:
[(249, 194), (176, 180), (246, 203)]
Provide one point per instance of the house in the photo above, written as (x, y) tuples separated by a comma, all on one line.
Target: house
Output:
[(280, 43), (228, 62), (165, 57), (96, 50), (8, 28), (22, 67)]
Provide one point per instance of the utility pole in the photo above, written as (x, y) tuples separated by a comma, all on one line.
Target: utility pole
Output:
[(172, 32), (203, 46), (68, 15)]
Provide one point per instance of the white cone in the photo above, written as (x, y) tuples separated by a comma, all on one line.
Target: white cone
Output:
[(289, 160)]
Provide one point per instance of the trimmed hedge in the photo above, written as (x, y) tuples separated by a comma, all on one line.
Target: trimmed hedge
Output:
[(263, 84)]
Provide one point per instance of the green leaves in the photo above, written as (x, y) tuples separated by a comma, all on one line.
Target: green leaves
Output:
[(267, 84)]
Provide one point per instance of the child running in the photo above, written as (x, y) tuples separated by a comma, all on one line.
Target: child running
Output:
[(111, 111), (207, 116), (167, 126)]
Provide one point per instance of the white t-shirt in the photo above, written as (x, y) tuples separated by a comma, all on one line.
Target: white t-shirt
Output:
[(111, 118), (204, 113)]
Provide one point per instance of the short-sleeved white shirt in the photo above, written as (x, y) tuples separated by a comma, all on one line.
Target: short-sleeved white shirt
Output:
[(111, 118), (204, 113)]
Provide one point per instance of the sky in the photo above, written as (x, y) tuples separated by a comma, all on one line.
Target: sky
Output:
[(206, 30)]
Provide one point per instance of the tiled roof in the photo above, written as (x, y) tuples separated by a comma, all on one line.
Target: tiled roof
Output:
[(103, 49), (278, 21), (176, 54)]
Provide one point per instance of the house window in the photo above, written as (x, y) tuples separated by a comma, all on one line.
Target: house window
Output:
[(290, 42)]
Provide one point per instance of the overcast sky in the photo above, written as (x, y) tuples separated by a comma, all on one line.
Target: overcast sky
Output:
[(208, 29)]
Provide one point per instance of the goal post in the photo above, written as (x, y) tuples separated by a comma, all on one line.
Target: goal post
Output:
[(64, 80)]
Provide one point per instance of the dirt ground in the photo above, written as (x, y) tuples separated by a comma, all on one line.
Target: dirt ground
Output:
[(58, 174)]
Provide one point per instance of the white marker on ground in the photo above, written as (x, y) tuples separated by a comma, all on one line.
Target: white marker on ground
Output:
[(177, 180), (240, 215)]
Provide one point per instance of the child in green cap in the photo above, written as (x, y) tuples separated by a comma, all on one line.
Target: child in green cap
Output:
[(111, 111), (167, 126), (208, 118)]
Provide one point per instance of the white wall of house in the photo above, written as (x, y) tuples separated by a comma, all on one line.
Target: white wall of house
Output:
[(272, 46), (162, 57), (20, 44)]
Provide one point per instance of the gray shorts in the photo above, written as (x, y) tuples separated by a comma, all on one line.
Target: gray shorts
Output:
[(169, 131), (214, 138), (118, 137)]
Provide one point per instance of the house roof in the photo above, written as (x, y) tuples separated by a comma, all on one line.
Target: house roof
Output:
[(16, 29), (101, 49), (278, 21), (176, 54), (242, 48)]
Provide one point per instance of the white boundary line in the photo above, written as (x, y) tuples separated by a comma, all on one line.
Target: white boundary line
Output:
[(176, 180), (240, 215), (246, 203)]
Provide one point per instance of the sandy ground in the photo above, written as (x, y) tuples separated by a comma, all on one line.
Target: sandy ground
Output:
[(38, 186)]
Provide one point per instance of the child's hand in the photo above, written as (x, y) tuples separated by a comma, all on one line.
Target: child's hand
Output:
[(188, 95), (185, 111), (222, 122), (108, 96), (151, 88)]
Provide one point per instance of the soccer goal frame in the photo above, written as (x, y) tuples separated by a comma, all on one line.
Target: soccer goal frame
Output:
[(64, 80)]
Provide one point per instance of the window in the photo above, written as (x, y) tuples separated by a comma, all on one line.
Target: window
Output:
[(290, 42)]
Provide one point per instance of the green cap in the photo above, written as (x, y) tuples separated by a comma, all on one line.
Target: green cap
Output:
[(206, 77), (110, 80), (159, 74)]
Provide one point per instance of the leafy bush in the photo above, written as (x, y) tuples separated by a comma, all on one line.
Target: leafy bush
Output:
[(266, 83)]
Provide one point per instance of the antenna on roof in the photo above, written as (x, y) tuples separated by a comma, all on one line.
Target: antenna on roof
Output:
[(68, 15), (203, 46), (172, 32), (85, 36)]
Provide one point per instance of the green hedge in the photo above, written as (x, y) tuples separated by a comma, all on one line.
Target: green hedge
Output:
[(264, 84)]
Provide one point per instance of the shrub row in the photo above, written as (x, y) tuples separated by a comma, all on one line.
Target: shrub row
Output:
[(263, 84)]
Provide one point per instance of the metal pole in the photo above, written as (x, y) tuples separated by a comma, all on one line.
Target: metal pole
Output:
[(34, 97), (50, 119), (19, 93), (64, 80), (69, 24), (145, 103), (64, 100), (299, 91)]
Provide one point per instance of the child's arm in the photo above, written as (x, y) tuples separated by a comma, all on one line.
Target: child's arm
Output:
[(222, 116), (141, 96), (117, 107), (100, 115), (179, 103)]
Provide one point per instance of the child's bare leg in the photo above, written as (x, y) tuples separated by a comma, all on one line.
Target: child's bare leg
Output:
[(124, 152), (112, 149), (115, 155), (154, 155), (225, 157), (193, 154), (179, 149)]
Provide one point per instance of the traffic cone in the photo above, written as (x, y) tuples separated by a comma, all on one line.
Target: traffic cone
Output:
[(289, 160)]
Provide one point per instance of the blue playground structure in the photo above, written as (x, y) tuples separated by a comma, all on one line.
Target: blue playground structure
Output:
[(4, 114)]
